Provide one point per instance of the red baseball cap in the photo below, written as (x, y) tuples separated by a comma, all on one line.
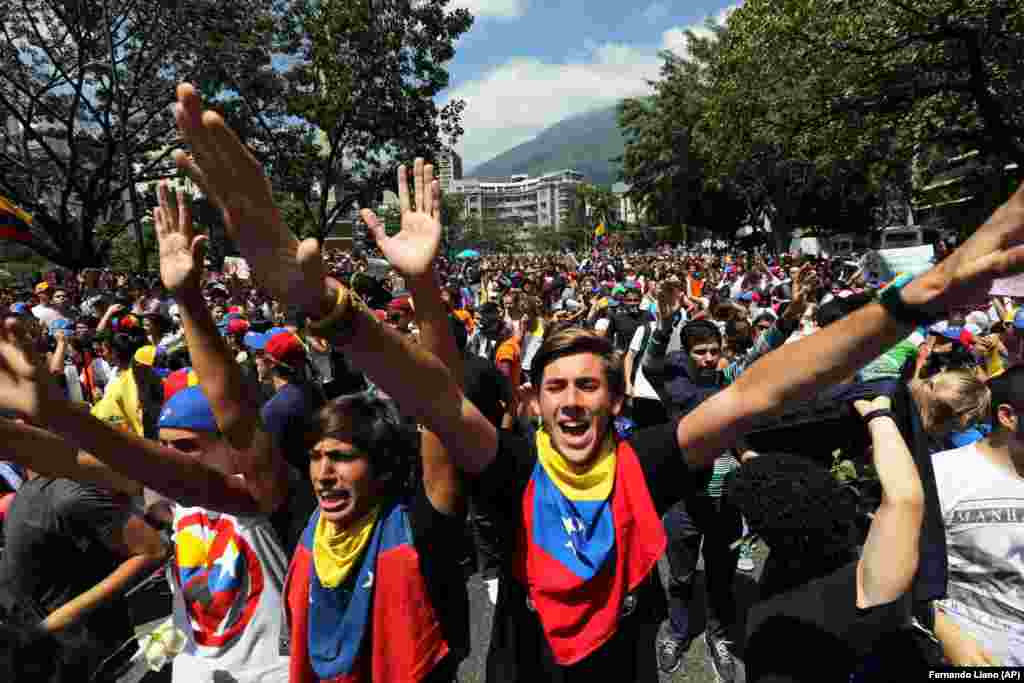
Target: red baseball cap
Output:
[(286, 349), (238, 326)]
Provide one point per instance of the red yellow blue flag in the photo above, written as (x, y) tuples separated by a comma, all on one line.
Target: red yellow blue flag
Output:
[(15, 222)]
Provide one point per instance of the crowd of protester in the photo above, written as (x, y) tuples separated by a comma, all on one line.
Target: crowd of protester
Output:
[(316, 460)]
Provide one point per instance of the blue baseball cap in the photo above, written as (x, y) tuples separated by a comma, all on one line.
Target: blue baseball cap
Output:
[(61, 324), (255, 340), (188, 409), (1018, 319)]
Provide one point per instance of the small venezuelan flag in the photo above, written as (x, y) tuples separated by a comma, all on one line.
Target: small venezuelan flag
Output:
[(600, 230), (15, 223)]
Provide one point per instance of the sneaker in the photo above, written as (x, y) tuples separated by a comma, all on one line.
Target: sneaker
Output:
[(670, 655), (746, 561), (719, 654)]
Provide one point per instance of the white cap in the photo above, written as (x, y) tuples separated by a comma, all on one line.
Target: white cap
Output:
[(981, 320)]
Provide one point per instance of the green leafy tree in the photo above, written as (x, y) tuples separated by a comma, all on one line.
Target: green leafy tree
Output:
[(356, 97), (599, 201), (85, 95), (873, 89)]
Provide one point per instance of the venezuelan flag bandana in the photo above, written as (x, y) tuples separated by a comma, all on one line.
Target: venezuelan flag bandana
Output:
[(376, 623), (586, 541), (573, 520), (335, 550)]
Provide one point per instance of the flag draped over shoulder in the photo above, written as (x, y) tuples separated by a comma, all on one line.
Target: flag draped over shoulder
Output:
[(15, 223)]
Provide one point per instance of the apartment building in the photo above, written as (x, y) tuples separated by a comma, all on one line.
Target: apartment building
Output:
[(527, 202), (449, 169)]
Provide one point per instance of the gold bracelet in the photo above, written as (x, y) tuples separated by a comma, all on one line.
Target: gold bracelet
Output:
[(340, 310), (340, 326)]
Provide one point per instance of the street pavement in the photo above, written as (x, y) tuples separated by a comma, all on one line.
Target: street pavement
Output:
[(695, 669)]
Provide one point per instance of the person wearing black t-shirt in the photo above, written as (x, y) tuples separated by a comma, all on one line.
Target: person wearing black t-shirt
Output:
[(55, 524), (622, 325), (824, 613)]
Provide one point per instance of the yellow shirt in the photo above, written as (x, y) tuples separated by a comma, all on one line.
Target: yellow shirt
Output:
[(120, 404)]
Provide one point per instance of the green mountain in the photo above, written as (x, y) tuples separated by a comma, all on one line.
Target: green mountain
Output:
[(586, 142)]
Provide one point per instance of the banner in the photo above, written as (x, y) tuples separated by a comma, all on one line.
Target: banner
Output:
[(1009, 286), (885, 264), (15, 222)]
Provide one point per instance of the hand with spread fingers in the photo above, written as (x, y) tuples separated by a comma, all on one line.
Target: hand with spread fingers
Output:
[(995, 250), (227, 172), (181, 251), (413, 250), (26, 386)]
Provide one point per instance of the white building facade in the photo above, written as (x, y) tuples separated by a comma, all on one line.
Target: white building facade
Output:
[(539, 202)]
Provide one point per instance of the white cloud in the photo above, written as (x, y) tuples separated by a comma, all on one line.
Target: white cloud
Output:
[(497, 9), (515, 101)]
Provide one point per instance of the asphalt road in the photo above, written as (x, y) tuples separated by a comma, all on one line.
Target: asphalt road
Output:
[(695, 668)]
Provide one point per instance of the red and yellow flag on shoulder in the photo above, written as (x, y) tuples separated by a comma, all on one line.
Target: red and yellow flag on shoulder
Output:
[(15, 222)]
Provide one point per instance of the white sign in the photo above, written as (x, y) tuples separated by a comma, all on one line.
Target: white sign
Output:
[(237, 266), (885, 264), (1009, 286)]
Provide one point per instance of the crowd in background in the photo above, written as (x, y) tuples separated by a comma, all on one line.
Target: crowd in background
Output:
[(886, 489)]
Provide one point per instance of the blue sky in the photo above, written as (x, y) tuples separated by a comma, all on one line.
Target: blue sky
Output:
[(527, 64)]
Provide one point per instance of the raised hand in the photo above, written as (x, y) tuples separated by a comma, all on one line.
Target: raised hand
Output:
[(25, 384), (995, 250), (234, 180), (413, 250), (181, 251)]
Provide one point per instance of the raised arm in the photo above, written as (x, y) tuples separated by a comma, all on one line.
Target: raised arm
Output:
[(52, 456), (294, 272), (27, 388), (237, 410), (803, 369), (889, 561), (412, 253)]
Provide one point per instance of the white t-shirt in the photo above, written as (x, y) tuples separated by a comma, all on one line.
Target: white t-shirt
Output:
[(46, 314), (641, 387), (233, 570), (983, 511)]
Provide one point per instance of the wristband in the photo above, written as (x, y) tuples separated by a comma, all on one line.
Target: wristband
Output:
[(892, 300), (881, 412), (339, 325)]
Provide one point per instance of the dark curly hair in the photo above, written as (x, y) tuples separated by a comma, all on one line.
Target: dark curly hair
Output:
[(800, 511)]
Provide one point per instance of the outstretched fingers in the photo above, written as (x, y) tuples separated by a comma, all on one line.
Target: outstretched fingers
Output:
[(403, 189), (435, 194), (418, 183), (427, 203), (374, 225)]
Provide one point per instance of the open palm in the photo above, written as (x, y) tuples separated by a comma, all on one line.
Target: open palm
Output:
[(413, 250), (234, 179), (180, 250)]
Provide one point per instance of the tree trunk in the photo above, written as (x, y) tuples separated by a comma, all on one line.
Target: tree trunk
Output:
[(140, 236)]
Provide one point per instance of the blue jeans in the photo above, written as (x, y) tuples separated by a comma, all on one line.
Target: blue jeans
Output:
[(707, 520)]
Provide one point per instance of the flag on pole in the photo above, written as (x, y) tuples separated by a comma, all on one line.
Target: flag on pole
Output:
[(15, 223)]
